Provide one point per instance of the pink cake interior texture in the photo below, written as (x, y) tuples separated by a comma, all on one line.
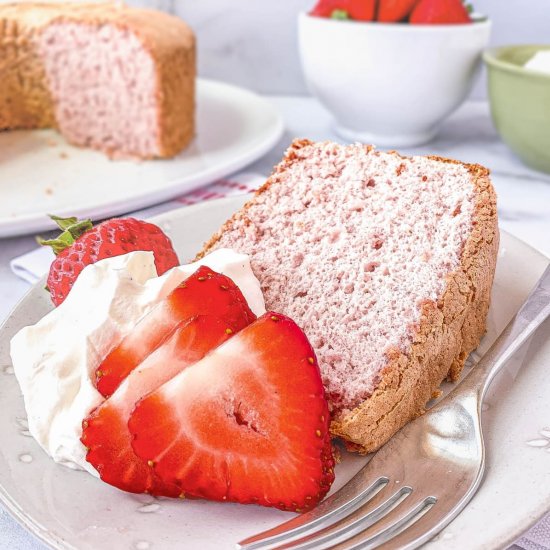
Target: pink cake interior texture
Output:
[(102, 81), (350, 243)]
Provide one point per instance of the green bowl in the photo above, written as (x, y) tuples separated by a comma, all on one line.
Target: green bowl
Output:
[(520, 103)]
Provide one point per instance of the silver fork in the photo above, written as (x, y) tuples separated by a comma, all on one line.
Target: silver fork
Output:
[(425, 475)]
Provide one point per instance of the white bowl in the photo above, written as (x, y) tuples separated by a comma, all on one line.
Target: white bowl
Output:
[(390, 84)]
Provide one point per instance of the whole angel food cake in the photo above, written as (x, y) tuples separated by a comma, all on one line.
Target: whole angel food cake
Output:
[(386, 262), (107, 76)]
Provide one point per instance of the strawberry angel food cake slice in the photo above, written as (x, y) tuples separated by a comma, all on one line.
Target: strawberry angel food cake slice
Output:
[(376, 271), (385, 261)]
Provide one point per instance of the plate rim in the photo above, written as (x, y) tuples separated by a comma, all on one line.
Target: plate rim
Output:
[(47, 537), (29, 223)]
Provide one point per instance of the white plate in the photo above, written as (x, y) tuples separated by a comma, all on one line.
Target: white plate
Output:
[(41, 174), (70, 509)]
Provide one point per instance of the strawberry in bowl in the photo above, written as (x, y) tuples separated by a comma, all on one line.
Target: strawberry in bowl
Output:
[(203, 400), (391, 76), (346, 9), (417, 12)]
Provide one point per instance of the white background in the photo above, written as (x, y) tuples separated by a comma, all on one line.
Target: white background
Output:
[(253, 42)]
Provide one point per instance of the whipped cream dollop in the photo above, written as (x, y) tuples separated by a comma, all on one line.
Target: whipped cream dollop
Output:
[(539, 62), (55, 359)]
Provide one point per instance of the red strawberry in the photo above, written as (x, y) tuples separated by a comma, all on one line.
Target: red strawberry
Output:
[(203, 293), (248, 423), (105, 432), (359, 10), (392, 11), (440, 12), (81, 244), (325, 8)]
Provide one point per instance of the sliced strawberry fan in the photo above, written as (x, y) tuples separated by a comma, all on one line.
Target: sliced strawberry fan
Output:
[(442, 12), (197, 316), (203, 293), (249, 423), (394, 11), (105, 432)]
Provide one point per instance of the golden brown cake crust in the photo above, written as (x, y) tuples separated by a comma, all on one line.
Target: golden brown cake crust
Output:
[(25, 101), (447, 332)]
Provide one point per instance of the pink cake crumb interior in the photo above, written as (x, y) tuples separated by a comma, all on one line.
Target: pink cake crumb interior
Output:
[(350, 243), (103, 83)]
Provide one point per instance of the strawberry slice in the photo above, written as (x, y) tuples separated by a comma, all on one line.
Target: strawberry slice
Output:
[(105, 431), (248, 423), (204, 292), (442, 12)]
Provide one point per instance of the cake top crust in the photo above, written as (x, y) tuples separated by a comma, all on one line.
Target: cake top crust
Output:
[(159, 31)]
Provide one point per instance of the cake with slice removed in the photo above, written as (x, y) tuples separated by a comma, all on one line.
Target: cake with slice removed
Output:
[(386, 262), (108, 76)]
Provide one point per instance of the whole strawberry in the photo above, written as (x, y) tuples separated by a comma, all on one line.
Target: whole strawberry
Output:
[(440, 12), (81, 244), (358, 10), (393, 11)]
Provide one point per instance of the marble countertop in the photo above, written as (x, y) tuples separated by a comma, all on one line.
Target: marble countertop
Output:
[(468, 135)]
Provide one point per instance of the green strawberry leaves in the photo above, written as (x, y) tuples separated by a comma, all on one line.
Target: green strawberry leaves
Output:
[(340, 14), (72, 228)]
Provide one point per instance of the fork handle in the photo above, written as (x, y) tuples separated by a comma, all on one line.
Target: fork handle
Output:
[(530, 316)]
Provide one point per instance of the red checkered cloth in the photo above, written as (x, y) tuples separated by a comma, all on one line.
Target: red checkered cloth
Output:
[(239, 184)]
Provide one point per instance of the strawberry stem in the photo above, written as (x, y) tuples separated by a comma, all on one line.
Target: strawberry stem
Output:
[(340, 14), (72, 229)]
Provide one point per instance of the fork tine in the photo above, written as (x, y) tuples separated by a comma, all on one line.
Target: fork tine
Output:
[(340, 504), (425, 526), (344, 530), (388, 528)]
